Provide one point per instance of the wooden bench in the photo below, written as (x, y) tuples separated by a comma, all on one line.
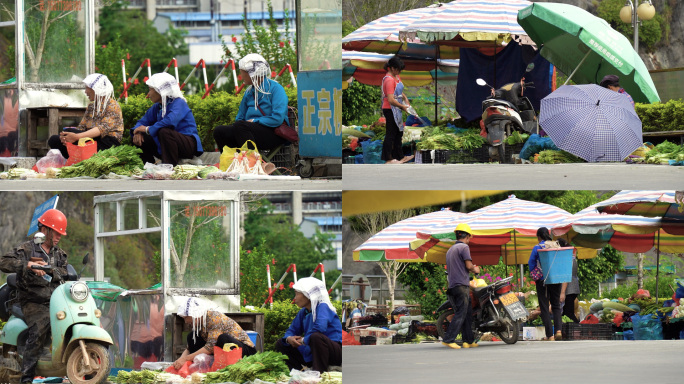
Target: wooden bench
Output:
[(50, 117), (665, 135), (249, 321)]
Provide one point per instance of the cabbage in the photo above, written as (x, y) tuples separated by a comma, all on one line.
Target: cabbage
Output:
[(531, 302)]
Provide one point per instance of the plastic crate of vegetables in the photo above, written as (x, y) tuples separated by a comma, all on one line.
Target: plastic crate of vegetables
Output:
[(576, 331)]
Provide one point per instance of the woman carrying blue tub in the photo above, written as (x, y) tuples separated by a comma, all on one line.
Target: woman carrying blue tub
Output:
[(547, 292)]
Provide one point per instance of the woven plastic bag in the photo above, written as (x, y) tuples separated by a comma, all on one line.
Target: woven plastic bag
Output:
[(223, 358), (85, 149)]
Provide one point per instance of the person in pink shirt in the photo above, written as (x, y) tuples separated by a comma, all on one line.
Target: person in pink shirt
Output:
[(393, 99)]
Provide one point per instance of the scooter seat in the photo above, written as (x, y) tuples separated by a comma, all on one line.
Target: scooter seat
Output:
[(12, 280), (16, 311)]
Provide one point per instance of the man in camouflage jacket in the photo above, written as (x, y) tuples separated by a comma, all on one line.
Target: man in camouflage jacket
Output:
[(34, 286)]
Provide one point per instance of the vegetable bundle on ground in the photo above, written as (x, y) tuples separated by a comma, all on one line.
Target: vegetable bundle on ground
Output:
[(121, 160), (266, 366), (664, 152)]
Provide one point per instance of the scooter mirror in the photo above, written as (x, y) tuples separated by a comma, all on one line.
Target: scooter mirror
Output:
[(39, 238), (530, 67), (86, 258), (481, 82)]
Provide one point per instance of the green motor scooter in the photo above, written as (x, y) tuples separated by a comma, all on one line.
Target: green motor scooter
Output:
[(79, 344)]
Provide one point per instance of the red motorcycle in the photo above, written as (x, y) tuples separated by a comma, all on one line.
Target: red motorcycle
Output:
[(495, 309)]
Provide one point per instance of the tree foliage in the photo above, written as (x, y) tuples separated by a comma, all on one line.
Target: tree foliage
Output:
[(136, 35), (591, 272), (360, 12), (275, 235), (650, 31), (278, 49), (360, 104)]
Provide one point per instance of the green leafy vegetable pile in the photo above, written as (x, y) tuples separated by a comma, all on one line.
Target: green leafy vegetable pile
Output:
[(122, 160), (442, 138), (266, 366), (664, 152), (550, 156)]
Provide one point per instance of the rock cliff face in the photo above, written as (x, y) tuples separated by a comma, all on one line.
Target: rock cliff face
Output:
[(669, 54)]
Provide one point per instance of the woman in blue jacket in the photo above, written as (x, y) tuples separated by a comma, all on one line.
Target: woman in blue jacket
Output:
[(168, 129), (314, 338), (263, 108)]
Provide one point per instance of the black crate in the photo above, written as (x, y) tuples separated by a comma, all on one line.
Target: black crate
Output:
[(481, 155), (512, 150), (367, 340), (426, 156), (455, 156), (283, 158), (576, 331)]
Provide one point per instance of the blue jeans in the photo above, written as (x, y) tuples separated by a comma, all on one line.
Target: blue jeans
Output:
[(459, 297)]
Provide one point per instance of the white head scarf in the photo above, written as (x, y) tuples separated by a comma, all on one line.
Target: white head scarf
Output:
[(257, 68), (167, 87), (315, 291), (103, 91), (195, 308)]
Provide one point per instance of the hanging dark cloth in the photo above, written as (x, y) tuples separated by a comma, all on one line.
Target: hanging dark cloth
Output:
[(510, 67)]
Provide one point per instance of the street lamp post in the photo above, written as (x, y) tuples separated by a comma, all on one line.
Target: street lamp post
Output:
[(631, 13)]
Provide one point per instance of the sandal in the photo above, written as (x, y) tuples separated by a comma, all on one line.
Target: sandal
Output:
[(559, 336), (550, 338)]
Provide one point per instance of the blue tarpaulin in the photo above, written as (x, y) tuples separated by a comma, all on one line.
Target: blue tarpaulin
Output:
[(510, 67)]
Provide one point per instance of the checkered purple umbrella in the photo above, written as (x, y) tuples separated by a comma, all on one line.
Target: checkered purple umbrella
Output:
[(592, 122)]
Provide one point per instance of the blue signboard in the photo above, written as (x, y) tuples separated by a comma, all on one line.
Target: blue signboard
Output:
[(319, 95), (38, 212)]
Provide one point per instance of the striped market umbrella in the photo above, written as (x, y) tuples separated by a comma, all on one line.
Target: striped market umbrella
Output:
[(505, 229), (382, 36), (367, 68), (667, 204), (664, 233), (470, 23), (392, 243), (592, 122)]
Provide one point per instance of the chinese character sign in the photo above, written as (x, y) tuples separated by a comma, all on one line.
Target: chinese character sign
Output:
[(320, 113)]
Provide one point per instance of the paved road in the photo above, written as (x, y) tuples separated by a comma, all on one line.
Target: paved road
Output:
[(528, 362), (157, 185), (512, 176)]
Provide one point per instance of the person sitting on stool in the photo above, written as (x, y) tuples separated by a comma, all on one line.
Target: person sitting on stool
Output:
[(314, 338), (209, 328)]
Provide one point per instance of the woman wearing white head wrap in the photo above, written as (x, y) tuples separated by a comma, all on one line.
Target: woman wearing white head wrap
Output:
[(102, 120), (168, 129), (263, 108), (314, 338), (209, 329)]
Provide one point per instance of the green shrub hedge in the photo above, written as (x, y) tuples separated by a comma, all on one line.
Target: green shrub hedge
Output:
[(219, 108), (278, 319), (657, 117)]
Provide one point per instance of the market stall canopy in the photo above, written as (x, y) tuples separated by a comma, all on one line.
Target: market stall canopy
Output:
[(591, 122), (667, 204), (367, 68), (360, 202), (470, 24), (392, 243), (586, 47), (505, 229), (382, 36)]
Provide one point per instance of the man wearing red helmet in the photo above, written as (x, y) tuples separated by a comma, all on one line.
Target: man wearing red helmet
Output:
[(35, 287)]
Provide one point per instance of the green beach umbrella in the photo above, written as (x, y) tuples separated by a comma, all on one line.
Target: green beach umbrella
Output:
[(586, 46)]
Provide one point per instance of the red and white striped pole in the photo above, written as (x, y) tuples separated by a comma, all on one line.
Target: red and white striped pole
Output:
[(235, 81), (322, 268), (289, 68), (213, 84), (201, 62), (293, 267), (149, 69), (270, 291), (125, 89), (135, 76), (175, 65)]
